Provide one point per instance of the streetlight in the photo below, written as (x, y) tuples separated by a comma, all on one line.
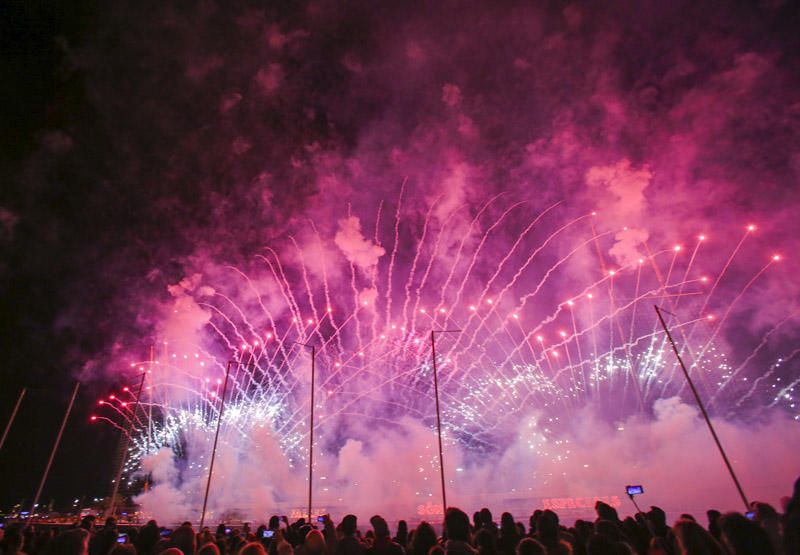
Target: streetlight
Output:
[(311, 426)]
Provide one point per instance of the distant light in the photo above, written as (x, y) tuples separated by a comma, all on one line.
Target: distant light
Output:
[(677, 248), (776, 257), (701, 238), (751, 227), (570, 303)]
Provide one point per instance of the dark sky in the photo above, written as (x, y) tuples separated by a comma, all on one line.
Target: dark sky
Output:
[(138, 139)]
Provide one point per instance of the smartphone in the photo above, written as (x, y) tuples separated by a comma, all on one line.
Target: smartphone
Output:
[(166, 533), (320, 519), (122, 538), (750, 514), (634, 490), (267, 533), (227, 531)]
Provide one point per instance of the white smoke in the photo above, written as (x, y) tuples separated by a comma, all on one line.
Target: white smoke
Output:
[(393, 470), (357, 249)]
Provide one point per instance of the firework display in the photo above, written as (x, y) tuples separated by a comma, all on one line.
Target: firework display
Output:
[(525, 337)]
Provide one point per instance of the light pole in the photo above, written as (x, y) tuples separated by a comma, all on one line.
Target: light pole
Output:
[(438, 413), (702, 409), (311, 427)]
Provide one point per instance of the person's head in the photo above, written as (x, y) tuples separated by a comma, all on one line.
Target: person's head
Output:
[(171, 551), (209, 548), (380, 526), (436, 550), (605, 511), (285, 548), (111, 522), (657, 516), (687, 516), (742, 536), (547, 525), (274, 522), (456, 524), (485, 542), (764, 512), (424, 537), (253, 548), (530, 546), (71, 542), (486, 516), (693, 539), (349, 525), (315, 542), (402, 529), (507, 524), (87, 522), (184, 539)]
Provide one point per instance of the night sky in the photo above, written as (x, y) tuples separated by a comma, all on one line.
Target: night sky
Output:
[(141, 141)]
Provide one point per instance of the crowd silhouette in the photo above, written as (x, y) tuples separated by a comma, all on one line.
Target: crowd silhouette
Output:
[(762, 531)]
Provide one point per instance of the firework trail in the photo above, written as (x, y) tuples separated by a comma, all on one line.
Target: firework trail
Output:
[(531, 337)]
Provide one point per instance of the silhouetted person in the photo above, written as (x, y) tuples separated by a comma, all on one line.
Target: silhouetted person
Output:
[(349, 544), (487, 521), (791, 523), (742, 536), (383, 544), (456, 530), (548, 534), (529, 546), (402, 534), (184, 539), (71, 542), (485, 542), (104, 539), (509, 536), (423, 539), (693, 539), (713, 523)]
